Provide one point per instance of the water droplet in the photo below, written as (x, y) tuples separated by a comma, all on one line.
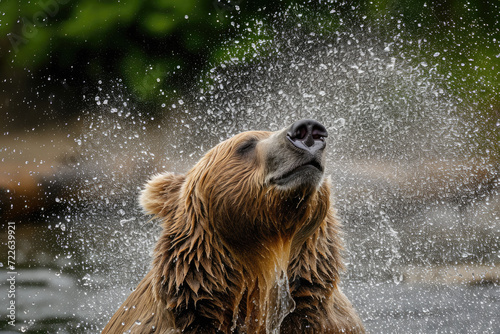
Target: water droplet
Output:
[(124, 222)]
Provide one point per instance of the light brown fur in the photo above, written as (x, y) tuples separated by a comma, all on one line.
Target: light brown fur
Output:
[(237, 254)]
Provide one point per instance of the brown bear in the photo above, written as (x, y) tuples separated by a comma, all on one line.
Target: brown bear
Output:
[(250, 243)]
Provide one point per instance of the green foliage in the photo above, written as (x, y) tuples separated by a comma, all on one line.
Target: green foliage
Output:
[(161, 46), (91, 19)]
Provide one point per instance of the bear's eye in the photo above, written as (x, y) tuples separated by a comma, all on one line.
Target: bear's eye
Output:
[(247, 146)]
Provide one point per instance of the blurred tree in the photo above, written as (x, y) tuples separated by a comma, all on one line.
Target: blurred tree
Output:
[(150, 44), (159, 47)]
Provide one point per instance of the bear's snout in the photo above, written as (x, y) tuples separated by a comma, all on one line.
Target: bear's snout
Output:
[(308, 135), (295, 156)]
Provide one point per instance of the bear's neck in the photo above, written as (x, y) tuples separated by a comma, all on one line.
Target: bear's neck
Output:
[(243, 262), (263, 256)]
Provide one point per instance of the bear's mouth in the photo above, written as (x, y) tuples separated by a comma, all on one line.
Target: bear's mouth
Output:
[(304, 170)]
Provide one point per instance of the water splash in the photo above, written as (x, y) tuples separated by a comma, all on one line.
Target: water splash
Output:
[(281, 302), (389, 119)]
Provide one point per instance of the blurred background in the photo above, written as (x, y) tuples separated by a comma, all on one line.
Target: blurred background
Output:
[(96, 96)]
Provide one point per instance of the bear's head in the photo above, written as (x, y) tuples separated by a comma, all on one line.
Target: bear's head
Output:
[(254, 187), (233, 223)]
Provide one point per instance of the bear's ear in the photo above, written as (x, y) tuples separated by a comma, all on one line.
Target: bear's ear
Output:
[(161, 193)]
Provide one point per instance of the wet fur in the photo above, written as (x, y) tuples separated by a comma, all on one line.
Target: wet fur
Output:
[(226, 243)]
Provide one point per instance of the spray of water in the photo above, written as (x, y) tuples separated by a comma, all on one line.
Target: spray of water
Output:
[(395, 137)]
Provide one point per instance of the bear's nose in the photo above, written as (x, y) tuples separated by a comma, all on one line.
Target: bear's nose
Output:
[(308, 135)]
